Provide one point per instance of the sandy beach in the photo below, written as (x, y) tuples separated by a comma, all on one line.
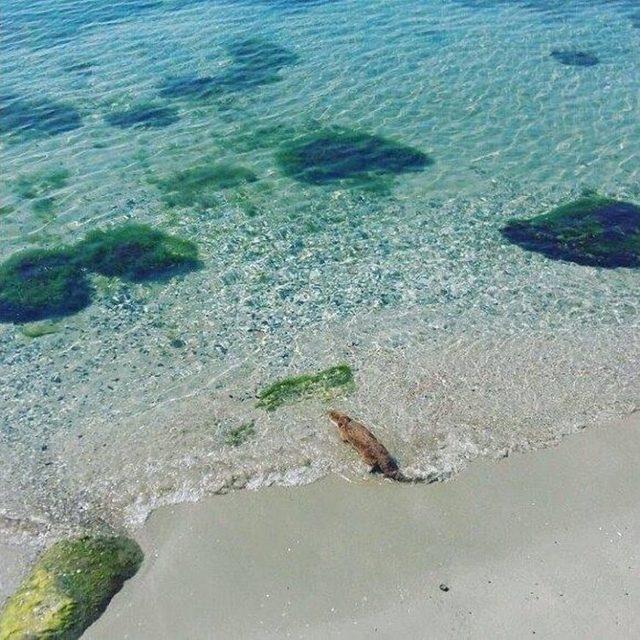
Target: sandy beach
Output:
[(544, 543)]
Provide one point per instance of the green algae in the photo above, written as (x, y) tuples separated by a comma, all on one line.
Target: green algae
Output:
[(41, 283), (335, 153), (324, 384), (44, 208), (39, 329), (41, 183), (69, 587), (591, 231), (46, 283), (136, 252), (197, 186), (239, 435)]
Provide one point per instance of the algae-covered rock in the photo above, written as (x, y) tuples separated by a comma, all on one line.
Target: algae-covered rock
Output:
[(326, 383), (69, 587), (136, 252), (337, 154), (593, 231), (41, 283)]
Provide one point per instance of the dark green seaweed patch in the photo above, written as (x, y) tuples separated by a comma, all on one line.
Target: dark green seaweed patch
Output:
[(326, 383), (254, 62), (237, 436), (136, 252), (575, 58), (197, 185), (592, 231), (36, 284), (257, 61), (43, 283), (37, 117), (190, 87), (337, 154), (143, 115)]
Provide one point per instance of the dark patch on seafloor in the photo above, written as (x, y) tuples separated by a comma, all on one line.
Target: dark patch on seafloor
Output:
[(574, 58), (336, 153), (36, 117), (46, 283), (254, 62), (143, 115), (591, 231)]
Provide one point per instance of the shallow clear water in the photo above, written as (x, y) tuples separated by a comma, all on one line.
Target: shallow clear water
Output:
[(462, 344)]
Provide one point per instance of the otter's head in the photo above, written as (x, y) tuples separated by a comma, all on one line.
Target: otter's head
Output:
[(339, 419)]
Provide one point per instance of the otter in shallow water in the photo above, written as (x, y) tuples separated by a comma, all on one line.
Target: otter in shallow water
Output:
[(367, 445)]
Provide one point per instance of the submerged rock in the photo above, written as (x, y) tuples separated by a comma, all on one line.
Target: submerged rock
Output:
[(325, 384), (337, 154), (69, 587), (41, 283), (593, 231), (136, 252)]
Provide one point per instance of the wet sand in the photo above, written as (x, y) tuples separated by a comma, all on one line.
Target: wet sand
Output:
[(544, 543)]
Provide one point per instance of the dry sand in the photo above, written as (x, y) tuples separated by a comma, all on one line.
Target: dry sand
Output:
[(544, 544)]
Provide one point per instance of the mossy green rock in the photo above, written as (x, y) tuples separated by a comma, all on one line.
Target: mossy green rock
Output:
[(36, 284), (593, 231), (69, 587), (336, 153), (326, 383), (136, 252)]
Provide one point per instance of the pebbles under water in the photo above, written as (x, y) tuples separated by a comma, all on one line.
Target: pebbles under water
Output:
[(179, 115)]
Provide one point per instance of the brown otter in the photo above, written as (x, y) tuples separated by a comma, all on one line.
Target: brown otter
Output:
[(367, 445)]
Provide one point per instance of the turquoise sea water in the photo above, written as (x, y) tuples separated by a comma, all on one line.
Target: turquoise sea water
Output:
[(462, 344)]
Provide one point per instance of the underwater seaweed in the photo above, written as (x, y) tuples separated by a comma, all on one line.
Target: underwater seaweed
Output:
[(592, 231), (336, 154)]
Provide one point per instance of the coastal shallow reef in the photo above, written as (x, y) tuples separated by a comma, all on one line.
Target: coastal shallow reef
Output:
[(336, 153), (46, 283), (593, 231), (69, 587), (324, 384)]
